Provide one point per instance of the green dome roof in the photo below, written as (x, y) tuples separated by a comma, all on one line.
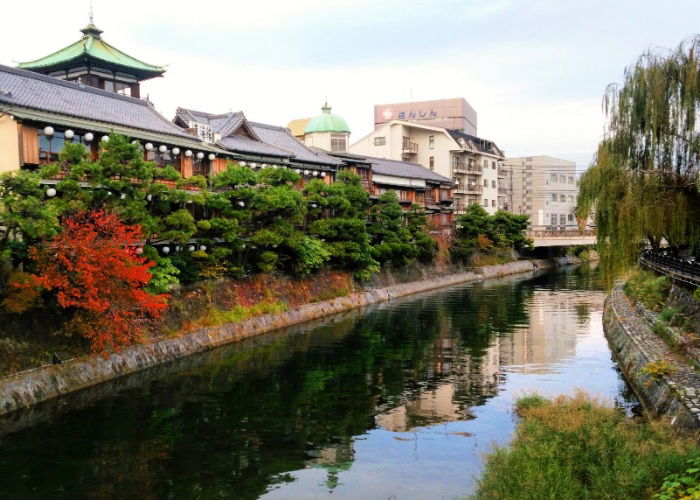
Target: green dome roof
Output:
[(326, 122)]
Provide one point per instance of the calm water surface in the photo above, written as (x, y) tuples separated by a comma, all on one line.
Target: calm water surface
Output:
[(400, 401)]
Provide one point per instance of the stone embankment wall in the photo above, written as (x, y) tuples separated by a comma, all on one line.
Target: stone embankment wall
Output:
[(634, 345), (26, 389)]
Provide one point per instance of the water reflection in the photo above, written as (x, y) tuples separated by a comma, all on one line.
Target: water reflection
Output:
[(402, 400)]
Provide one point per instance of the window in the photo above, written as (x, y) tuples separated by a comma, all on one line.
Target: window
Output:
[(431, 141), (420, 197), (493, 203), (432, 163), (108, 85), (486, 183), (571, 180), (456, 162), (486, 163), (562, 219), (493, 165), (123, 88), (553, 219), (554, 197), (486, 202), (379, 141), (562, 179), (493, 184), (444, 194), (571, 217), (553, 177), (405, 159), (571, 199), (339, 143), (562, 198), (50, 147)]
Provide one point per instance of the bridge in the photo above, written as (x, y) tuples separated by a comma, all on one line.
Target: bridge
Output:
[(550, 238)]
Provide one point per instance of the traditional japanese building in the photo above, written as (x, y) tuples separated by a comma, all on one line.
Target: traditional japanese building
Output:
[(327, 131), (258, 144), (94, 62)]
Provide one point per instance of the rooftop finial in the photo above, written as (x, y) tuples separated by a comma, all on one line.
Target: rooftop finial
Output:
[(91, 13)]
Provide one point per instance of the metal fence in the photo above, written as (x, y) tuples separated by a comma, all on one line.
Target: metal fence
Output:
[(682, 270)]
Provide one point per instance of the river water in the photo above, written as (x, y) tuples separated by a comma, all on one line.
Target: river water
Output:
[(397, 401)]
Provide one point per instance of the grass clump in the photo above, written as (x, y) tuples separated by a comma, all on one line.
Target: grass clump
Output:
[(215, 316), (648, 289), (657, 369), (662, 331), (577, 448)]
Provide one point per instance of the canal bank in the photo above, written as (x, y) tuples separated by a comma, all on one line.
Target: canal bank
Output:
[(27, 389), (674, 392)]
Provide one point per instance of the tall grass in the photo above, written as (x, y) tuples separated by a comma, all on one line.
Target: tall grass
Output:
[(649, 289), (577, 448)]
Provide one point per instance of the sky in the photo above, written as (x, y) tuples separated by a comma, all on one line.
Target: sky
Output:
[(535, 71)]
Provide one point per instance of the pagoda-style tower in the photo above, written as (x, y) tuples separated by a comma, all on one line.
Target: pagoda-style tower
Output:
[(92, 61)]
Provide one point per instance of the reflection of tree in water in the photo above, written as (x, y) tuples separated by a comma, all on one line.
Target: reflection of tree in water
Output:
[(240, 426), (583, 313)]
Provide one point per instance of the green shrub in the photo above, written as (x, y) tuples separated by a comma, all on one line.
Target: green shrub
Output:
[(648, 288), (662, 331), (682, 485), (576, 447), (668, 314)]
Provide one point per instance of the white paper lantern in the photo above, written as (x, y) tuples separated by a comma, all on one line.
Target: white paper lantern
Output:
[(162, 148), (253, 165), (243, 245), (314, 173), (89, 137), (176, 151), (203, 248), (149, 197), (306, 172), (264, 165), (51, 192), (48, 130), (191, 248), (313, 205), (297, 171), (323, 174), (139, 250), (241, 203), (211, 156), (123, 196), (69, 134), (148, 146), (242, 164), (109, 193), (105, 138), (188, 153), (165, 250), (178, 248), (200, 155)]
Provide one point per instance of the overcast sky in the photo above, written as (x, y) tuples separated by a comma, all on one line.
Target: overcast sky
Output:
[(535, 71)]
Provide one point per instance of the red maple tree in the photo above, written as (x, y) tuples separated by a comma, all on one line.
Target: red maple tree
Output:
[(93, 267)]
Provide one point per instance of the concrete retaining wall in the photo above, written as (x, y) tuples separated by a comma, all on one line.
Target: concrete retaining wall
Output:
[(634, 346), (26, 389)]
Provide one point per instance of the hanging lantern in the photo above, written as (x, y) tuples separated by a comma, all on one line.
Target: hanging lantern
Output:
[(200, 155), (314, 173), (176, 151), (202, 248), (135, 142), (109, 193), (298, 171), (162, 148), (243, 245), (188, 153), (264, 165), (178, 248), (241, 203), (105, 138), (211, 156), (149, 197), (51, 192), (313, 205), (191, 248), (306, 172), (253, 165), (139, 250), (48, 130), (323, 174), (148, 146), (89, 137), (69, 134), (122, 196), (165, 250), (242, 164)]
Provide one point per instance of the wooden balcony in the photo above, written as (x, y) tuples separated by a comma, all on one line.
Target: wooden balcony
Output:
[(469, 189), (409, 148)]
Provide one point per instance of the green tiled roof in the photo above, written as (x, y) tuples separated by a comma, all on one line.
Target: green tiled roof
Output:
[(92, 46), (326, 122)]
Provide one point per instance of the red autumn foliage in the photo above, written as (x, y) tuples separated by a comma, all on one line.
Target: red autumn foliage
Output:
[(92, 267)]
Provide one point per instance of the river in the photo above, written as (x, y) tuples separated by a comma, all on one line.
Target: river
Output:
[(397, 401)]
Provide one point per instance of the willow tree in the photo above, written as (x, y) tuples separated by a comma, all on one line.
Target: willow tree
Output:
[(643, 184)]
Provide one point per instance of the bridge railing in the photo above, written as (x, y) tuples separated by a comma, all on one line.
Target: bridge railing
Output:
[(682, 270), (548, 233)]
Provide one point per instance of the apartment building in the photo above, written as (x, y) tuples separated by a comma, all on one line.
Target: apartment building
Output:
[(452, 114), (544, 188), (471, 162)]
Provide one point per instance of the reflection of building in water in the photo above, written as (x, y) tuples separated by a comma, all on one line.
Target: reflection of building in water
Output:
[(551, 335), (334, 459), (462, 381)]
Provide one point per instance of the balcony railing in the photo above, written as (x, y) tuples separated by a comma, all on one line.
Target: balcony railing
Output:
[(501, 173), (462, 168), (469, 189), (502, 191), (410, 148)]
